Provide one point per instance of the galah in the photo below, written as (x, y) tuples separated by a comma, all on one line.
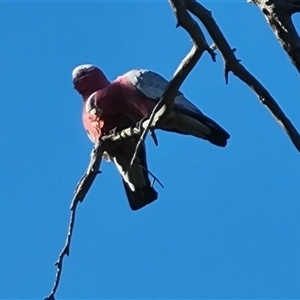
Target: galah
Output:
[(124, 102)]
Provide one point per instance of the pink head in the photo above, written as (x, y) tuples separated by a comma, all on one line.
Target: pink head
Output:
[(87, 79)]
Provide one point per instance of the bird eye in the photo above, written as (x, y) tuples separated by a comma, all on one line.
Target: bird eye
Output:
[(81, 74)]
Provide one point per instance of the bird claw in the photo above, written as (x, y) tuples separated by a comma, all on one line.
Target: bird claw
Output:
[(139, 124), (113, 131)]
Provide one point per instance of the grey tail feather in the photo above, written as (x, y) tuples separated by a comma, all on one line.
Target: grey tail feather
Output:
[(141, 196), (218, 135)]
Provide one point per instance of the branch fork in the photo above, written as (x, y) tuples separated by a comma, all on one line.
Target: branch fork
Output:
[(181, 9)]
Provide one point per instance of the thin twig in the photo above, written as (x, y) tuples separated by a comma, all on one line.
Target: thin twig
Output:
[(65, 251), (91, 173), (80, 192)]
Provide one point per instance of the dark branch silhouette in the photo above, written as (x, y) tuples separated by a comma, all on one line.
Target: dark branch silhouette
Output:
[(279, 16), (234, 65), (164, 106), (80, 192), (161, 110)]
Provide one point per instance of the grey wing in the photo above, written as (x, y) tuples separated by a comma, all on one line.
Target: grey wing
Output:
[(153, 85), (189, 119)]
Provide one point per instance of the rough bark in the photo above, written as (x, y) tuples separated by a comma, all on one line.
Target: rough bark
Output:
[(278, 14)]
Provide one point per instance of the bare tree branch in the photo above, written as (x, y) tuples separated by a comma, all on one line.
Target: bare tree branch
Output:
[(160, 111), (90, 175), (234, 65), (279, 16), (165, 104), (163, 108), (80, 192)]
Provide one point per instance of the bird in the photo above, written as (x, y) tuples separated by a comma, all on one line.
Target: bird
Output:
[(113, 106)]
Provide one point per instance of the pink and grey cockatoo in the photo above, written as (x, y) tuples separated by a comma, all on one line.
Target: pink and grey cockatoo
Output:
[(124, 102)]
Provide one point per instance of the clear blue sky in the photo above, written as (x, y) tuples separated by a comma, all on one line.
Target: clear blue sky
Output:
[(227, 223)]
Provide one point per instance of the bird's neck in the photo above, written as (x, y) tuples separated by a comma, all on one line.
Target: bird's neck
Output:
[(98, 86), (86, 94)]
